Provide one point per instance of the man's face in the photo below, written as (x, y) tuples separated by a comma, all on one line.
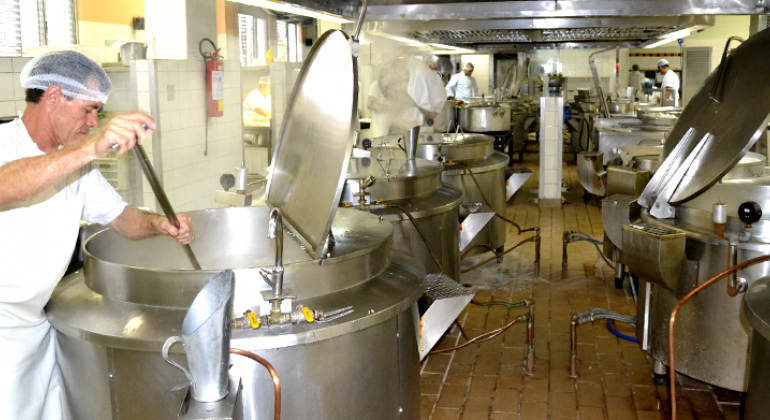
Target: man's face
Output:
[(73, 119), (468, 72), (264, 90), (662, 70), (432, 65)]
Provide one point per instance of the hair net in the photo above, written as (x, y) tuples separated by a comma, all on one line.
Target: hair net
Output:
[(444, 66), (77, 75), (663, 63), (468, 66), (264, 80)]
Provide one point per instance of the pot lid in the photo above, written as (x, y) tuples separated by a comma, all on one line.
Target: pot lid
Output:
[(391, 165), (483, 104), (716, 131), (317, 134)]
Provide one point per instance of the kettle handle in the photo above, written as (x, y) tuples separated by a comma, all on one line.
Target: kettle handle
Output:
[(170, 342)]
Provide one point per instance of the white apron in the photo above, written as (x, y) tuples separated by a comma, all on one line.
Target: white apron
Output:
[(36, 244)]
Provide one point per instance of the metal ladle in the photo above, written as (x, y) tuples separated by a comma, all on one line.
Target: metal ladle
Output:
[(160, 195)]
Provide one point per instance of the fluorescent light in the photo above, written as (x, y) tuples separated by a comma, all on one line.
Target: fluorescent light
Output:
[(408, 41), (290, 8), (673, 36), (451, 49)]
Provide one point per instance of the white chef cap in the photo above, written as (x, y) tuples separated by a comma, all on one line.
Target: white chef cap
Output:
[(468, 66), (264, 81), (78, 76)]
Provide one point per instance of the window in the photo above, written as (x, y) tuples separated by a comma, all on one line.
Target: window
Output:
[(289, 36), (253, 38), (23, 24), (10, 28), (246, 33), (261, 38)]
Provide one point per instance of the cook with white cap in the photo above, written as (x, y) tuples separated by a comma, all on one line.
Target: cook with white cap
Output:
[(463, 86), (47, 185), (670, 82)]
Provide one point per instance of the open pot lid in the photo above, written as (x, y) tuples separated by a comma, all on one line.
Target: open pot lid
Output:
[(719, 131), (313, 149)]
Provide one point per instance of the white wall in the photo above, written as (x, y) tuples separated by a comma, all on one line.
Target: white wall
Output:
[(177, 101), (11, 92), (175, 27)]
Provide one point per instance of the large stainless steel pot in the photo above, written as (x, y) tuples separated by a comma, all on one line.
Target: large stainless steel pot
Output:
[(485, 117), (416, 186), (620, 107), (114, 316), (445, 121)]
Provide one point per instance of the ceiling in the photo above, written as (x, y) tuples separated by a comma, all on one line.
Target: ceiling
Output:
[(509, 26)]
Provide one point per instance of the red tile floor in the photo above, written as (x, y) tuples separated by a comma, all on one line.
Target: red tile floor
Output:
[(486, 381)]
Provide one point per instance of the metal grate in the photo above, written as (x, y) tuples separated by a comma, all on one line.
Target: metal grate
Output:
[(471, 36), (583, 34), (654, 230), (696, 66), (440, 286)]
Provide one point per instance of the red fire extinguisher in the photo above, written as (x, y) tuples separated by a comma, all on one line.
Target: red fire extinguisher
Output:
[(215, 85)]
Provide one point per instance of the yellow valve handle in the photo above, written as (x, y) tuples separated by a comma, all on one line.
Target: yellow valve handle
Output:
[(308, 314), (253, 320)]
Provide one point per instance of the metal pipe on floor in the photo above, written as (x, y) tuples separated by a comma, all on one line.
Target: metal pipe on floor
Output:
[(573, 346), (530, 363), (566, 237), (538, 240)]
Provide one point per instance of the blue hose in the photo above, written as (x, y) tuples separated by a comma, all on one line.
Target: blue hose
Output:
[(612, 330)]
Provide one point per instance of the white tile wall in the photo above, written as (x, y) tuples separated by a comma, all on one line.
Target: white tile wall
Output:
[(178, 103), (551, 114), (11, 92), (175, 27)]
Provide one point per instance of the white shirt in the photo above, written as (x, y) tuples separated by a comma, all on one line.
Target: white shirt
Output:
[(670, 79), (101, 203), (462, 87), (380, 119), (255, 100), (635, 80)]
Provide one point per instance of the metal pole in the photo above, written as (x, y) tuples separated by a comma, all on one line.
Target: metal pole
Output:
[(160, 195)]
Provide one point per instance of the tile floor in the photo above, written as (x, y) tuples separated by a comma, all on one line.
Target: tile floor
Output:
[(486, 381)]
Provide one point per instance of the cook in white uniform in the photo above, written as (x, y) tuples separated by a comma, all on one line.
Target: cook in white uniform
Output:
[(47, 185), (635, 80), (406, 91), (463, 86), (258, 101), (670, 80)]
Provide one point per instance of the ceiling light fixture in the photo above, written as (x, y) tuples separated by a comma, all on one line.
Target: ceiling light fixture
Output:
[(673, 36), (290, 8)]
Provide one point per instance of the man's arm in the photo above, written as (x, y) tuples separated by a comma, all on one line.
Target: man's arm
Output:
[(450, 87), (23, 179), (136, 224)]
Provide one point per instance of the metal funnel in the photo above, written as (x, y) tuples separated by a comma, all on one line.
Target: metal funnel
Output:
[(206, 338), (411, 142)]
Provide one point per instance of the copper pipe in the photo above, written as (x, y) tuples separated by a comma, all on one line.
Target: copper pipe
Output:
[(485, 336), (465, 254), (573, 347), (531, 338), (530, 239), (273, 373), (671, 370)]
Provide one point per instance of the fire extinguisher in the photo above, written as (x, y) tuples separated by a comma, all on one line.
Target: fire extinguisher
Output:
[(215, 72)]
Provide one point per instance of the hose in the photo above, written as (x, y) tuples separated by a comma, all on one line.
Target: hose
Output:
[(530, 239), (582, 236), (273, 374), (584, 126), (484, 198), (709, 282), (485, 336), (500, 303), (422, 235), (619, 334)]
